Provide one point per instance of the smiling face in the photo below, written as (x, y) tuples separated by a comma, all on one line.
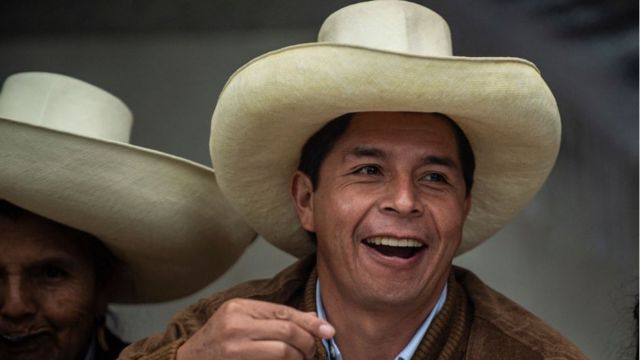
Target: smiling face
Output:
[(388, 209), (48, 299)]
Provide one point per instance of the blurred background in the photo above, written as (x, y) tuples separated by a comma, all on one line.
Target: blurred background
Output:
[(571, 257)]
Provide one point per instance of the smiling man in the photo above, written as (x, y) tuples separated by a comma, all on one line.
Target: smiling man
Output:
[(388, 208), (376, 156)]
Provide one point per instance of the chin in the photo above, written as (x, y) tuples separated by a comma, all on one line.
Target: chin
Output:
[(390, 293)]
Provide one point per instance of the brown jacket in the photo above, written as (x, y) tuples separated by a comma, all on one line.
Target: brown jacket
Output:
[(475, 322)]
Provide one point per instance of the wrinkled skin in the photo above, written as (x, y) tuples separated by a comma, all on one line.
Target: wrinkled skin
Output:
[(48, 296)]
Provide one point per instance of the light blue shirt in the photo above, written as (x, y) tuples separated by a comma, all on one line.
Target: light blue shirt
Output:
[(334, 353)]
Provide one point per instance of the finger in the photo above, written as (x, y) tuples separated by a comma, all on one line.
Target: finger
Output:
[(286, 331), (308, 321)]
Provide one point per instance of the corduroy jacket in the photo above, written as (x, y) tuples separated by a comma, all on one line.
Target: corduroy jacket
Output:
[(475, 322)]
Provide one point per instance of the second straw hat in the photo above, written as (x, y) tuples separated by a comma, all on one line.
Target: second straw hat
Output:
[(65, 154)]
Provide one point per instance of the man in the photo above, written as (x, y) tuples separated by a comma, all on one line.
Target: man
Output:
[(386, 145), (87, 219)]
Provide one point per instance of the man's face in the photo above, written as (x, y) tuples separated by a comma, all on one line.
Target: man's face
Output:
[(48, 301), (388, 209)]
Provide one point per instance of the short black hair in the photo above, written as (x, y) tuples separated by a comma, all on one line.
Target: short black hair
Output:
[(320, 144), (10, 211), (316, 149)]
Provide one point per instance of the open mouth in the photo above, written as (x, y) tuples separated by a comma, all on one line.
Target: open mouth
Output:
[(21, 340), (393, 247)]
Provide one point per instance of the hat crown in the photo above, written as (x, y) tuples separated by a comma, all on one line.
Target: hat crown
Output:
[(390, 25), (65, 104)]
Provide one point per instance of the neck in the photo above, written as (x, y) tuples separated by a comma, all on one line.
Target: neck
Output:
[(381, 329)]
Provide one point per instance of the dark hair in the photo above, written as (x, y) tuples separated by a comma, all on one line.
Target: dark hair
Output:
[(319, 145), (465, 151), (10, 211), (102, 260)]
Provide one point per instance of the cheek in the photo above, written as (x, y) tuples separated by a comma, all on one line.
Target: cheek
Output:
[(74, 317), (342, 215), (70, 309), (448, 217)]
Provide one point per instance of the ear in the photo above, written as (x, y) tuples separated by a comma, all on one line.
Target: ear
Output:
[(302, 197), (467, 205)]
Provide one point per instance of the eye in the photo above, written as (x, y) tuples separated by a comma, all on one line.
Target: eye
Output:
[(50, 273), (368, 170), (53, 272), (434, 177)]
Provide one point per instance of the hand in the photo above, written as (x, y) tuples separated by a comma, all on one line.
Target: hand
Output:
[(251, 329)]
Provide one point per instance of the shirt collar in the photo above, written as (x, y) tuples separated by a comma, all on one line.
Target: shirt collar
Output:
[(91, 352), (333, 352)]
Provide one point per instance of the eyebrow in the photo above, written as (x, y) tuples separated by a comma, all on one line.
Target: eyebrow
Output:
[(55, 260), (366, 151), (440, 160)]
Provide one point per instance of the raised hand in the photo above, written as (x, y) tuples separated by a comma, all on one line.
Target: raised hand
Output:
[(252, 329)]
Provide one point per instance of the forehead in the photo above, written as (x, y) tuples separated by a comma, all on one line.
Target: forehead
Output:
[(402, 129), (31, 238)]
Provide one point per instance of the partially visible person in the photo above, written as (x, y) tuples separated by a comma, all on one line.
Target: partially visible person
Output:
[(54, 283), (87, 219)]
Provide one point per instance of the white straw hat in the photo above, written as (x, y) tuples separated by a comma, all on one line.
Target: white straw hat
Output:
[(65, 156), (381, 56)]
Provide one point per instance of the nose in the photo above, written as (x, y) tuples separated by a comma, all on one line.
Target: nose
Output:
[(402, 198), (16, 301)]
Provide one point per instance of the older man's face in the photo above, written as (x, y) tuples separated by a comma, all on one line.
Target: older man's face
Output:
[(49, 300), (388, 209)]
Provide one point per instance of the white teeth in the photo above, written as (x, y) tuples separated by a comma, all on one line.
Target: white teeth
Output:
[(14, 338), (387, 241), (19, 338)]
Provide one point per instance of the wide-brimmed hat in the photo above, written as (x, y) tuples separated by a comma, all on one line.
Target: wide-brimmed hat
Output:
[(381, 56), (65, 156)]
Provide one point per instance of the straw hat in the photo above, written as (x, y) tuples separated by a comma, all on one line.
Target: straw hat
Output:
[(381, 56), (65, 156)]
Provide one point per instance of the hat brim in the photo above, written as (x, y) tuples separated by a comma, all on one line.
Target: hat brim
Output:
[(272, 105), (162, 216)]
